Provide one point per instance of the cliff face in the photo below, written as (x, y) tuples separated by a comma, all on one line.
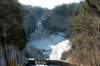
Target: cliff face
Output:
[(11, 28)]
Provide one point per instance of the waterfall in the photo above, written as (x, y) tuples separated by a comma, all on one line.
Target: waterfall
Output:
[(58, 49)]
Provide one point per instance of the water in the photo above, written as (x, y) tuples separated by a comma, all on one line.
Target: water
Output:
[(41, 44), (42, 48), (57, 50)]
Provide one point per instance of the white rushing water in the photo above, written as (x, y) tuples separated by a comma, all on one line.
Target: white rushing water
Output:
[(58, 49)]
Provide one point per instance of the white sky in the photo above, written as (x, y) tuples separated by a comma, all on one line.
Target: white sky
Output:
[(46, 3)]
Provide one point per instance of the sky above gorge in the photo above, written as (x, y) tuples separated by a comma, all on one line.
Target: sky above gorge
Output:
[(47, 3)]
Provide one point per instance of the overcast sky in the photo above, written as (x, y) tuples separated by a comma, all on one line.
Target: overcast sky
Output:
[(46, 3)]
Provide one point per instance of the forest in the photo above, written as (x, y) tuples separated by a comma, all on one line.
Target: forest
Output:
[(80, 22)]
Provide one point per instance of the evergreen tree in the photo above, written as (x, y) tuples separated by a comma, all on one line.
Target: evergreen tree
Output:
[(12, 36)]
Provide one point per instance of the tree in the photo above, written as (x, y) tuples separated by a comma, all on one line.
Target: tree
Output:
[(60, 19), (86, 29), (11, 30), (94, 6)]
